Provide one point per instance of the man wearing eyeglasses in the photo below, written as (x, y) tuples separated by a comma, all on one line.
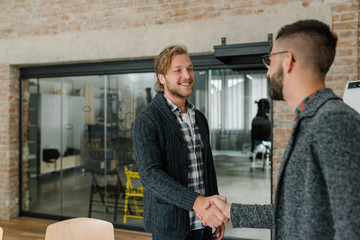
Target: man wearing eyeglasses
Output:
[(318, 190)]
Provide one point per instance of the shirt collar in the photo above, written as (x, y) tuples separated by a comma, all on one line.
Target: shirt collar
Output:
[(302, 105), (175, 109)]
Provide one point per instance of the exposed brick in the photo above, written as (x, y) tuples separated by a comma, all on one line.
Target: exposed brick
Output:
[(343, 7), (347, 42), (345, 25), (346, 60), (347, 16), (347, 34), (305, 4), (9, 139)]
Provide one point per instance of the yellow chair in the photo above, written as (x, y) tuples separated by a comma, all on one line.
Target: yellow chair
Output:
[(132, 193), (80, 229)]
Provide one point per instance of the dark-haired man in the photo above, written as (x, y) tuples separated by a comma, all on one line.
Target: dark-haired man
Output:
[(318, 190), (173, 155)]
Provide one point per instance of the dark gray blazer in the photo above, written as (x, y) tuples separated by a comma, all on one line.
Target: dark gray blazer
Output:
[(161, 155), (318, 191)]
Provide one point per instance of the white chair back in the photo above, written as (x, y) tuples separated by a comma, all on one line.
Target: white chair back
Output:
[(80, 229)]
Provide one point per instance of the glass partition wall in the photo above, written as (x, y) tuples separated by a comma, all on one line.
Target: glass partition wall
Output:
[(77, 143), (78, 127)]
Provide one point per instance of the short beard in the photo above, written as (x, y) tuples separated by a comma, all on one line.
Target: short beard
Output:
[(174, 92), (276, 80)]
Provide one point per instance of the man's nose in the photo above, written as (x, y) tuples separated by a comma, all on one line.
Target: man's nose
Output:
[(186, 74)]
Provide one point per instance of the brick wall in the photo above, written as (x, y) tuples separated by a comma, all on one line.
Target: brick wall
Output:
[(39, 17), (9, 142), (46, 32), (36, 32), (345, 22)]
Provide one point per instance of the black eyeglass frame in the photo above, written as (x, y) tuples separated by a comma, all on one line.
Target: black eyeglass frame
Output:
[(267, 61)]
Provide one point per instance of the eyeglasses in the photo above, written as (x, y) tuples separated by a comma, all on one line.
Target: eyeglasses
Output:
[(266, 58)]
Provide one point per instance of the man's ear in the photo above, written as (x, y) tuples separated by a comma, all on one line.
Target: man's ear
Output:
[(288, 62), (161, 78)]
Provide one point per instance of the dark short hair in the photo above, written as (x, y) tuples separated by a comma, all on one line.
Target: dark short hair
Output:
[(320, 41), (163, 62)]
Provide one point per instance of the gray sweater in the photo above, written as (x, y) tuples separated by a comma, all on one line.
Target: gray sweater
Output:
[(161, 155), (318, 191)]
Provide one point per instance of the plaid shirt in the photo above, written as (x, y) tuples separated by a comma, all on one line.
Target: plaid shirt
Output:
[(302, 105), (196, 169)]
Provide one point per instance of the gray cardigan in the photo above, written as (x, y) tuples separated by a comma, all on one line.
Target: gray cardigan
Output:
[(161, 155), (318, 191)]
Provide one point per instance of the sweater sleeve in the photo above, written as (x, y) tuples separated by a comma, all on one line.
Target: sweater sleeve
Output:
[(252, 216), (337, 148), (149, 162)]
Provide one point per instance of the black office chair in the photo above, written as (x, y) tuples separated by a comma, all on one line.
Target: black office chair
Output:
[(50, 155), (106, 190)]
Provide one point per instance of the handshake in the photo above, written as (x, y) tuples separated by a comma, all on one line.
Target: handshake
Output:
[(213, 211)]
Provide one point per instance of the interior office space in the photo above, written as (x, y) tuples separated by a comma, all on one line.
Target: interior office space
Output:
[(79, 125), (75, 74)]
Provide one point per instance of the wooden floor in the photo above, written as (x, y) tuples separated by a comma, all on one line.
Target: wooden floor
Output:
[(23, 228)]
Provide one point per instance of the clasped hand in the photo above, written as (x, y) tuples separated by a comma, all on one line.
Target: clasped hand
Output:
[(208, 211)]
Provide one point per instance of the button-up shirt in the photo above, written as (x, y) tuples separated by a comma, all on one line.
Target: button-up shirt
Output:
[(192, 137), (302, 105)]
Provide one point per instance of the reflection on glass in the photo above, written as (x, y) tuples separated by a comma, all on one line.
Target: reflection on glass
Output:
[(231, 107)]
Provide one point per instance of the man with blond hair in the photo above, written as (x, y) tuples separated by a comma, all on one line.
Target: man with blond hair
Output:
[(173, 155)]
